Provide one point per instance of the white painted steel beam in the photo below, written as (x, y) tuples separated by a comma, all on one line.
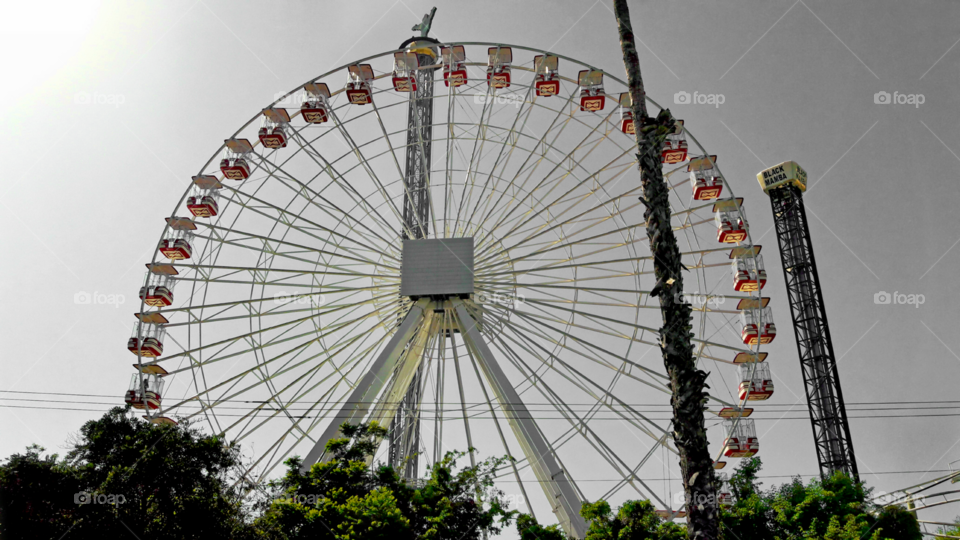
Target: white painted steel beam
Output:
[(367, 389), (557, 487)]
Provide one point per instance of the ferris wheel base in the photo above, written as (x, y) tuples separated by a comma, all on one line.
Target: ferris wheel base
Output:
[(369, 401)]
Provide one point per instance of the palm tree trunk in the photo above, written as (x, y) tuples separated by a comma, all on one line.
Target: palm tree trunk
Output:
[(687, 383)]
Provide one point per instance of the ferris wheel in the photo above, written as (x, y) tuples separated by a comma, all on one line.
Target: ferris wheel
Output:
[(447, 239)]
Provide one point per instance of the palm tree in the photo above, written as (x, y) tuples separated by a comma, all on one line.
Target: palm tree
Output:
[(688, 384)]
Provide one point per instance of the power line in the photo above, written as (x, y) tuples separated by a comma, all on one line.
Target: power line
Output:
[(456, 406), (479, 416), (528, 403), (910, 409), (505, 479)]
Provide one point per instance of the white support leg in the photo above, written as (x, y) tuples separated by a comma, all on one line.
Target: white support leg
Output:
[(367, 389), (386, 408), (553, 479)]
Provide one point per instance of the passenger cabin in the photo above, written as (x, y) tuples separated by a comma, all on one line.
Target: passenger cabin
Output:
[(405, 65), (360, 84), (145, 393), (745, 357), (151, 317), (454, 65), (204, 205), (758, 326), (315, 108), (675, 147), (546, 75), (731, 221), (147, 339), (748, 273), (705, 179), (626, 114), (234, 165), (205, 196), (756, 383), (725, 494), (162, 268), (592, 97), (158, 291), (735, 412), (274, 128), (175, 244), (741, 438), (499, 60), (731, 226), (150, 369), (670, 515)]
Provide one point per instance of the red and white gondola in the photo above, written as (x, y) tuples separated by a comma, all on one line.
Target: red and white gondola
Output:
[(499, 60)]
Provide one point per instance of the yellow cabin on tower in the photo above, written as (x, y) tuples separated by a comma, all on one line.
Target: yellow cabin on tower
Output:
[(786, 173)]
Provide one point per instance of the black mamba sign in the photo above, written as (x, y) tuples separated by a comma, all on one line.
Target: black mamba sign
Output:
[(780, 174), (774, 175)]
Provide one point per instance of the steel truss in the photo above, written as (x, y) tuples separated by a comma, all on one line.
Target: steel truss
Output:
[(831, 431), (405, 427)]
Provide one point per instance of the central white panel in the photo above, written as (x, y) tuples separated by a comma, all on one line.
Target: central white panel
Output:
[(437, 267)]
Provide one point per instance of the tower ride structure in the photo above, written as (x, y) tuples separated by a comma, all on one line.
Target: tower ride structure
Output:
[(785, 184)]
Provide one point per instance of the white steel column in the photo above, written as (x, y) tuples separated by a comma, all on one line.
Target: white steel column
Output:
[(367, 389), (559, 489), (404, 375)]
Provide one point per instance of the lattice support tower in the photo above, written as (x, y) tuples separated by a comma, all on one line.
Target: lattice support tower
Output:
[(785, 184), (405, 427)]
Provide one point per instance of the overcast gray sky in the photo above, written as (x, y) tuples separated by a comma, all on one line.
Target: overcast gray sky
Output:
[(110, 107)]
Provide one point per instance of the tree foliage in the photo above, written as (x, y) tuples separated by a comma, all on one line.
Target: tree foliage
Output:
[(947, 532), (635, 520), (33, 495), (177, 483), (347, 499), (124, 476), (836, 508), (530, 529)]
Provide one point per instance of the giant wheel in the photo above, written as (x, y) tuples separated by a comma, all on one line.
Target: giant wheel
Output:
[(521, 321)]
